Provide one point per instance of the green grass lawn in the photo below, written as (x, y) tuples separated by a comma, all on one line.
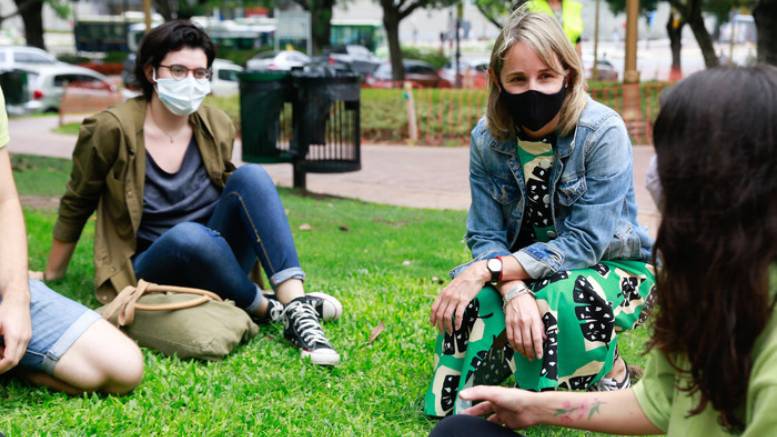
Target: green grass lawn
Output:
[(380, 261)]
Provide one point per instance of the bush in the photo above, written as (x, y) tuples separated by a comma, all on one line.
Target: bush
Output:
[(115, 57), (72, 58), (432, 56), (240, 56)]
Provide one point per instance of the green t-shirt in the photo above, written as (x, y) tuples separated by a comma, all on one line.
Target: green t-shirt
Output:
[(4, 139), (537, 159), (667, 407)]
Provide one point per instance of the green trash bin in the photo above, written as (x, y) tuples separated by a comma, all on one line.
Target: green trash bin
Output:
[(265, 116), (14, 85)]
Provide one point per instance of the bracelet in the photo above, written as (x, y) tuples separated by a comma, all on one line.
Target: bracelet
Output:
[(515, 292)]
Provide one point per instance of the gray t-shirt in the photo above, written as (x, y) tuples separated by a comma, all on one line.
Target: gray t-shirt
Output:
[(171, 198)]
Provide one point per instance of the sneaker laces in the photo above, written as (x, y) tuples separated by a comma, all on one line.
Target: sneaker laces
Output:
[(274, 311), (305, 322)]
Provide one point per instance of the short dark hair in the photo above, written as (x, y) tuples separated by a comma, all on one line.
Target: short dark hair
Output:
[(169, 37)]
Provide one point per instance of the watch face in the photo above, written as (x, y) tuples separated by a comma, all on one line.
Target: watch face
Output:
[(494, 265)]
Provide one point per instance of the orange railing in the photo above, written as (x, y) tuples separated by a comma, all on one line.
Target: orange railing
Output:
[(446, 116)]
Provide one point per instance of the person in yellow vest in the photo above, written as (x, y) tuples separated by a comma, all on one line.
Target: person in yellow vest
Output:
[(569, 13)]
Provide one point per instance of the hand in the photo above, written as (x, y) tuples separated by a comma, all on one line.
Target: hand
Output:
[(448, 308), (525, 330), (504, 406), (16, 330)]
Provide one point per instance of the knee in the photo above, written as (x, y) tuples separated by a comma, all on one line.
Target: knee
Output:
[(187, 239), (127, 371), (455, 426), (253, 176)]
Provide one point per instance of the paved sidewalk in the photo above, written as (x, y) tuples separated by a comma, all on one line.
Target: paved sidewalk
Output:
[(420, 177)]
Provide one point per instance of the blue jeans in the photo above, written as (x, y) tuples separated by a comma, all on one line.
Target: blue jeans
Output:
[(249, 223)]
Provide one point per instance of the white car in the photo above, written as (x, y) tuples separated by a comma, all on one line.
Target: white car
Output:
[(280, 61), (476, 66), (224, 81), (46, 84), (14, 56)]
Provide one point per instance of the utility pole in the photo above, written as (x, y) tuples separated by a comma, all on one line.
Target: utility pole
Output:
[(147, 14), (595, 70), (459, 14), (632, 111)]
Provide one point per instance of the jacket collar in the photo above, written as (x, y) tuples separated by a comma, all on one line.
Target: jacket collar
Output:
[(564, 145), (135, 116)]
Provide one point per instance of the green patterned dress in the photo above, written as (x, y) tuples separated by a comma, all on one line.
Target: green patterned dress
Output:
[(582, 310)]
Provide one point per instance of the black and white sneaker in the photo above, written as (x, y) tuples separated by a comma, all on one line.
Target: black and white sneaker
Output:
[(274, 312), (327, 307), (612, 384), (302, 328)]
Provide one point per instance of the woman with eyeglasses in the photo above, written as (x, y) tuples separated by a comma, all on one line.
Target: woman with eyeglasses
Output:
[(173, 209)]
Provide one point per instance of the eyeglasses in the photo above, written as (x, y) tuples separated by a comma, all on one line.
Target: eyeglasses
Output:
[(179, 72)]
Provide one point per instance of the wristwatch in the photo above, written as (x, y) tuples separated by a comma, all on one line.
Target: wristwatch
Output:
[(494, 266)]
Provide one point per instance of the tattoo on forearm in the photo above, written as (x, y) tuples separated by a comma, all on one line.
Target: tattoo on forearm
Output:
[(577, 411)]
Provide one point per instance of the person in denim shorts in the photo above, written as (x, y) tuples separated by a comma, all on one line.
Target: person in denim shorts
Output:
[(45, 337)]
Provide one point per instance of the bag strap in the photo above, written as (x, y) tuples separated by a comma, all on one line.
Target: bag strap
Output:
[(121, 311)]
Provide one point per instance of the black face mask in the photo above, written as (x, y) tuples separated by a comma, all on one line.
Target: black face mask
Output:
[(533, 109)]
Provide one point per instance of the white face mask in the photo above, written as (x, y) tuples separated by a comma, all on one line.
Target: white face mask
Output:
[(181, 97)]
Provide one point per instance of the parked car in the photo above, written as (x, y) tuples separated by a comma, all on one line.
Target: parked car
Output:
[(358, 58), (224, 81), (46, 84), (474, 72), (605, 71), (421, 74), (15, 56), (279, 61)]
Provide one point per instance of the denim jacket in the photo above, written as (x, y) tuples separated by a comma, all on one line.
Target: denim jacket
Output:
[(592, 198)]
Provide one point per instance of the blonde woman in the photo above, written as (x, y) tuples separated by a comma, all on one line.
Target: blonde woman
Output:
[(560, 262)]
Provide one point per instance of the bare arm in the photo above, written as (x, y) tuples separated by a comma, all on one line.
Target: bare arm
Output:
[(59, 258), (15, 326), (616, 412), (13, 251)]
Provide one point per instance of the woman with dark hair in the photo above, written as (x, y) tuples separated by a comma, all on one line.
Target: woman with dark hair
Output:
[(713, 359), (560, 264), (172, 208)]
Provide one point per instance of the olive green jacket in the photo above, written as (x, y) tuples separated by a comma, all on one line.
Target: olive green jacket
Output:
[(109, 171)]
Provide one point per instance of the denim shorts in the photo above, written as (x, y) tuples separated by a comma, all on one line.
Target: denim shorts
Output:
[(57, 322)]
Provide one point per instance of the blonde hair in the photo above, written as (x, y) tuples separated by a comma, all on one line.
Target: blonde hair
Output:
[(544, 35)]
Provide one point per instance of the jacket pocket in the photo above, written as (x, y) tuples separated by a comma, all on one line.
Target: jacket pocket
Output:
[(570, 191), (504, 192)]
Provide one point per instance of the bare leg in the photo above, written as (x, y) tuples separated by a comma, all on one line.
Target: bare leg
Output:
[(289, 290), (102, 359)]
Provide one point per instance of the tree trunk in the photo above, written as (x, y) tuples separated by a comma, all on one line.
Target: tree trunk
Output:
[(674, 28), (765, 14), (32, 16), (321, 17), (701, 34), (391, 23)]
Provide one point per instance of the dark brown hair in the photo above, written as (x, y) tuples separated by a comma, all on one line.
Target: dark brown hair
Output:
[(716, 141), (169, 37)]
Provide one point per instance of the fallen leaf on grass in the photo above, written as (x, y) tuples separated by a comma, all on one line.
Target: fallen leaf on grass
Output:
[(437, 280), (305, 227), (376, 331), (344, 228), (407, 262)]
